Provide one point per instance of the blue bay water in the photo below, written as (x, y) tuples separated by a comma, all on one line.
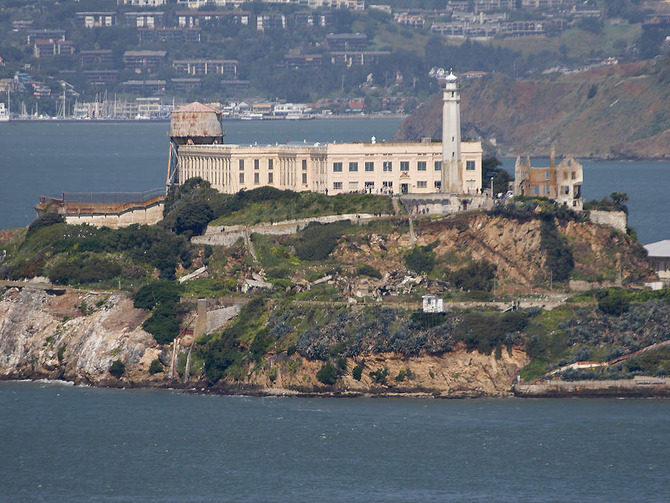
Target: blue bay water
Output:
[(66, 443), (62, 443)]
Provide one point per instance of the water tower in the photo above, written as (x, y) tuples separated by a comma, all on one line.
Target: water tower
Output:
[(194, 124)]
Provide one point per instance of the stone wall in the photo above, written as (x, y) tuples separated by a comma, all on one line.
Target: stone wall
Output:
[(149, 216), (227, 235), (616, 219), (640, 386)]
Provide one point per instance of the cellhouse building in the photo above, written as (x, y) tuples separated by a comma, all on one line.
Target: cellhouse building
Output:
[(449, 167)]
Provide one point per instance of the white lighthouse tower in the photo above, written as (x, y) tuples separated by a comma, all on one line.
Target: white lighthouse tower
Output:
[(451, 136)]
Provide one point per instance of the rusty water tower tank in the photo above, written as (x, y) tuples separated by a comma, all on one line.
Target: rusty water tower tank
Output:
[(196, 124)]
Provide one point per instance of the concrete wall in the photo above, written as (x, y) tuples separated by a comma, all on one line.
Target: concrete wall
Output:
[(616, 219), (215, 236), (638, 386), (149, 216)]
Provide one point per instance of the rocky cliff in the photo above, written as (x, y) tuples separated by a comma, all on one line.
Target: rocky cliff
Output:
[(54, 334), (614, 112)]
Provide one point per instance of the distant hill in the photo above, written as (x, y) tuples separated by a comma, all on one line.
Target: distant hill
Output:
[(613, 112)]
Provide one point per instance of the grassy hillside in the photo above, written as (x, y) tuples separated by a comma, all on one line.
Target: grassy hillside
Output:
[(620, 111)]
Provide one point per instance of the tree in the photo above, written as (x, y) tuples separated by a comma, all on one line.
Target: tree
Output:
[(192, 218), (327, 374), (501, 178), (117, 368), (620, 199), (420, 260), (45, 220)]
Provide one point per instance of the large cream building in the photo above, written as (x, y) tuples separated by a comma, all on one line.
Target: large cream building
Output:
[(450, 166)]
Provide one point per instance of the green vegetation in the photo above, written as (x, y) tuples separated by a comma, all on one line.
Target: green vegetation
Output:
[(162, 298), (501, 178), (421, 259), (379, 376), (477, 276), (487, 332), (156, 367), (224, 353), (318, 240), (616, 202), (559, 262), (117, 369), (357, 372), (267, 204), (368, 270), (327, 374)]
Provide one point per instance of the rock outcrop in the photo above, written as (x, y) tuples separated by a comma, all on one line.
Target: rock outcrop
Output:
[(55, 335)]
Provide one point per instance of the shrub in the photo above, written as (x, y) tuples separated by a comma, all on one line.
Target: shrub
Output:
[(420, 259), (327, 374), (477, 276), (614, 303), (117, 368), (155, 367), (559, 255), (192, 219), (318, 240), (79, 269), (163, 323), (357, 372), (379, 376), (368, 270), (45, 220), (261, 343), (157, 293)]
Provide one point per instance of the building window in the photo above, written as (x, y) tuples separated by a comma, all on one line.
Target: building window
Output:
[(438, 185), (370, 185), (304, 164), (421, 185), (353, 166), (421, 166), (241, 164), (270, 163), (566, 189), (241, 177), (257, 178), (438, 165), (546, 190), (547, 175), (337, 167), (257, 163), (536, 188), (270, 178), (387, 166), (369, 166), (388, 184), (304, 178), (470, 165), (353, 185), (337, 185), (572, 173), (404, 165)]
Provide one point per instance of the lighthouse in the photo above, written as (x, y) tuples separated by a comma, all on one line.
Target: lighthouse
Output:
[(451, 136)]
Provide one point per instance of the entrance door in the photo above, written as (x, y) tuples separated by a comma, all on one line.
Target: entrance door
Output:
[(404, 188)]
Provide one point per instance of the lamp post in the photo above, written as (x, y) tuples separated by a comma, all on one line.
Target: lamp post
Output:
[(491, 187)]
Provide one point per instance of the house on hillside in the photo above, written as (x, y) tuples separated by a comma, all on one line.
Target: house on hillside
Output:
[(658, 255)]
